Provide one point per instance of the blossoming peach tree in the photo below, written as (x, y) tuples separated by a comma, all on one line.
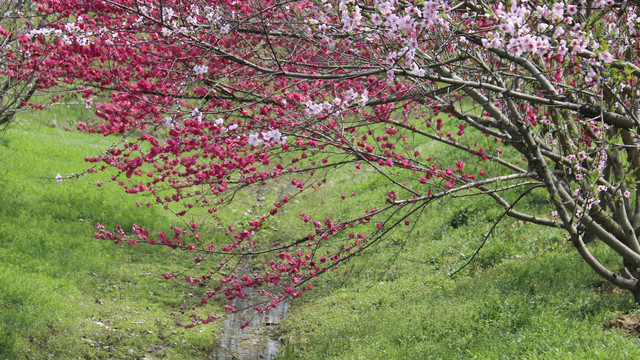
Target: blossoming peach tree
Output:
[(17, 17), (218, 96)]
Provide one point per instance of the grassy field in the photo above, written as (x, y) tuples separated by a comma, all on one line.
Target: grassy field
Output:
[(67, 295)]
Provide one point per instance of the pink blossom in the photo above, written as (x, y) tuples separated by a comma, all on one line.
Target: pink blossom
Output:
[(606, 57), (582, 155), (557, 11), (390, 77)]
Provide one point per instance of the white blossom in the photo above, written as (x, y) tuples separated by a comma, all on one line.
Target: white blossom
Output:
[(200, 69), (364, 97), (254, 139), (390, 77), (192, 20)]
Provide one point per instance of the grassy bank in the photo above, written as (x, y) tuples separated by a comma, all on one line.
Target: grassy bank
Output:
[(64, 294), (528, 295)]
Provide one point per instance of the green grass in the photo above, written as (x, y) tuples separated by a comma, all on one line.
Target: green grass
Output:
[(67, 295), (64, 294), (529, 295)]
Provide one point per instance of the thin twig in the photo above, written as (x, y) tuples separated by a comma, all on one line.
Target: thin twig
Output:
[(484, 241)]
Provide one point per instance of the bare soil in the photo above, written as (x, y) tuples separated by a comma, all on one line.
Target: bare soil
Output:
[(630, 324)]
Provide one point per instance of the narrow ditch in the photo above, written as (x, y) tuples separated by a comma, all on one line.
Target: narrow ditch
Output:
[(259, 340)]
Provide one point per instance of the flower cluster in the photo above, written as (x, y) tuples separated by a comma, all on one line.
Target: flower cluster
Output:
[(271, 136)]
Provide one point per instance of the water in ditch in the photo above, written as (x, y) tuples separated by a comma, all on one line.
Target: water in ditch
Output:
[(259, 340)]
